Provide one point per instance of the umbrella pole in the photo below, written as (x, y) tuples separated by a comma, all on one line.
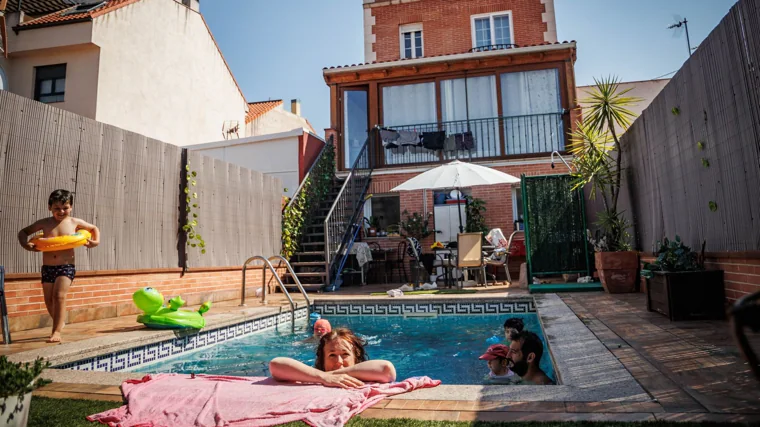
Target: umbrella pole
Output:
[(459, 211)]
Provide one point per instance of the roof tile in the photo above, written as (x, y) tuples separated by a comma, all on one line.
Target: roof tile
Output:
[(258, 109), (61, 17)]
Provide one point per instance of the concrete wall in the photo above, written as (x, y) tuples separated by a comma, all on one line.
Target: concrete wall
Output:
[(81, 75), (162, 75), (275, 121), (275, 154)]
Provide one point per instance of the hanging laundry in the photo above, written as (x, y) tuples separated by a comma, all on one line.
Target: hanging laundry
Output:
[(465, 141), (433, 140), (408, 137), (389, 138), (450, 143)]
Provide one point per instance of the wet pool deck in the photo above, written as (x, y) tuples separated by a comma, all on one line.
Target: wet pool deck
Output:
[(689, 371)]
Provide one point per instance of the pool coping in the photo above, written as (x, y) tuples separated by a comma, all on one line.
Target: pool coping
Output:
[(572, 345)]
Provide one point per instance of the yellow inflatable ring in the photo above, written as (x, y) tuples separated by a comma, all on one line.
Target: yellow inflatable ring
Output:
[(60, 243)]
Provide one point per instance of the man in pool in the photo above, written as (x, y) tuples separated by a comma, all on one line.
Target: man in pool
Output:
[(321, 327), (525, 353), (341, 362), (513, 325)]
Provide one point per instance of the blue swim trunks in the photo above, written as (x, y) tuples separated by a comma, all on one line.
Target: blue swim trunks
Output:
[(52, 272)]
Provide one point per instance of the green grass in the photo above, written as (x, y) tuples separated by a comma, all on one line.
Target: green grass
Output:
[(432, 291), (47, 412)]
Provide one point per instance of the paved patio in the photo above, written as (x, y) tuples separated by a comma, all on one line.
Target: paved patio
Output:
[(691, 370)]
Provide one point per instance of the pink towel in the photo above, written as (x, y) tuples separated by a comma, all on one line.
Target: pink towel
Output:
[(174, 400)]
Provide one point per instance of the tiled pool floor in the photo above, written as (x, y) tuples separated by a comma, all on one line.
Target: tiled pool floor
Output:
[(691, 370)]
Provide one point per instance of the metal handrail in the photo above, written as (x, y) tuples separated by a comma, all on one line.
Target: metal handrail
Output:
[(4, 309), (308, 173), (296, 279), (338, 200), (264, 288)]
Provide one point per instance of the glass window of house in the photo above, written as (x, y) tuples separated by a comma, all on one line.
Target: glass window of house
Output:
[(491, 29), (532, 108), (471, 105), (50, 83), (411, 41), (3, 82), (410, 107), (356, 122), (385, 209)]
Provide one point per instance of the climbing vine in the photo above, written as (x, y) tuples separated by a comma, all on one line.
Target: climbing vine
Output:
[(299, 211), (194, 238)]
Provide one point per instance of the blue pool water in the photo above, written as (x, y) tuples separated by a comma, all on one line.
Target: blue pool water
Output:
[(445, 348)]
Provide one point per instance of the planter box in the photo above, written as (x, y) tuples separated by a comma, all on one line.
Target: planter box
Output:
[(618, 271), (15, 413), (691, 295)]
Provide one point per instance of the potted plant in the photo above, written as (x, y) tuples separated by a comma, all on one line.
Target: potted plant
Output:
[(415, 225), (374, 224), (597, 157), (17, 381), (679, 287)]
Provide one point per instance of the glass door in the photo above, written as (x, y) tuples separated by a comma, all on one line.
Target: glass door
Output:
[(355, 124)]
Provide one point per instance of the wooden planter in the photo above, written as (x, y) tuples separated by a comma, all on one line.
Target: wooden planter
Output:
[(690, 295), (618, 271)]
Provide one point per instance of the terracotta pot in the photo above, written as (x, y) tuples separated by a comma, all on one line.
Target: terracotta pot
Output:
[(618, 270), (372, 232)]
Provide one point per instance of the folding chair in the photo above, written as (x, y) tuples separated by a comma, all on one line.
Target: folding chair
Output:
[(470, 253), (502, 249)]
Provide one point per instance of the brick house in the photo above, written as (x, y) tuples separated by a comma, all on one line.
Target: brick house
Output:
[(492, 68)]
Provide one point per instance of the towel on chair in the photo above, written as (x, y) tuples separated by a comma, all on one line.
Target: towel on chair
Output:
[(173, 400)]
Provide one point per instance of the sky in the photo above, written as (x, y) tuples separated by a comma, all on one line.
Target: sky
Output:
[(277, 49)]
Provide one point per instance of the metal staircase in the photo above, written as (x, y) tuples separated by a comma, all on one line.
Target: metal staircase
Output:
[(332, 228)]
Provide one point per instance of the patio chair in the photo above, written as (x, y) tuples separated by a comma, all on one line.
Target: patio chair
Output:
[(376, 264), (414, 250), (470, 253), (502, 249), (398, 263)]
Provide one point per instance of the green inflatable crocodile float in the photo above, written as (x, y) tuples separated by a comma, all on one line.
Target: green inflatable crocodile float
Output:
[(157, 316)]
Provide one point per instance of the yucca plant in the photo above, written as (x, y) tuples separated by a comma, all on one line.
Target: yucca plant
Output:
[(597, 154)]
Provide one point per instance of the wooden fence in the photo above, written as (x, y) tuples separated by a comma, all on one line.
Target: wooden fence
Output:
[(692, 158), (129, 186)]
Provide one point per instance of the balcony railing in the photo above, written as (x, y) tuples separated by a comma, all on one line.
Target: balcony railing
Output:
[(496, 137)]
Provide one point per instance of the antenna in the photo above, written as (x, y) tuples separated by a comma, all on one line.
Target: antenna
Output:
[(677, 25), (229, 128)]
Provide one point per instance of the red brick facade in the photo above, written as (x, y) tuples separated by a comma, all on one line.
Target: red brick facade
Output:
[(447, 24), (96, 296)]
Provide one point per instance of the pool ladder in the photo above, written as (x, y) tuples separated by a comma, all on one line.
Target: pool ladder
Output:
[(268, 266)]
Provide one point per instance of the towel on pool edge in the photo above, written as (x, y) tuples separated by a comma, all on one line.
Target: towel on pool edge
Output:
[(174, 400)]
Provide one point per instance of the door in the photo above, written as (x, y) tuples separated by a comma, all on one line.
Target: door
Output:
[(355, 123)]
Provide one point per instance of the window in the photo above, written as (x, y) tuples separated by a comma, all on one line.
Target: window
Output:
[(492, 29), (405, 105), (410, 36), (463, 103), (517, 209), (385, 209), (3, 81), (50, 83), (531, 102)]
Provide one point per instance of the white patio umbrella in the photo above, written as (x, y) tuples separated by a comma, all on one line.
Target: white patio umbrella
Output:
[(457, 175)]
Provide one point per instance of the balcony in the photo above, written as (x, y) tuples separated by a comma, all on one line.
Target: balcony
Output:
[(493, 138)]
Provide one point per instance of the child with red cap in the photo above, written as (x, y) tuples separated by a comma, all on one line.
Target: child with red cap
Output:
[(496, 355)]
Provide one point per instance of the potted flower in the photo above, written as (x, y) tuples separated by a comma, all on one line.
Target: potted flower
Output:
[(679, 287), (597, 158), (17, 381)]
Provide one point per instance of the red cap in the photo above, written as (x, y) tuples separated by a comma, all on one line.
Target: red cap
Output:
[(495, 351)]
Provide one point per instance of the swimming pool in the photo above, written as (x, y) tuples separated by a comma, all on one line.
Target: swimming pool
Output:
[(444, 347)]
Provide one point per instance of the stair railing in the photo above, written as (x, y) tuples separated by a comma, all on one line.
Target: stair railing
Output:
[(345, 214), (301, 209)]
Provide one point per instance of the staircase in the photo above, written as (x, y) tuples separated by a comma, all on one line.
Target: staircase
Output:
[(331, 226)]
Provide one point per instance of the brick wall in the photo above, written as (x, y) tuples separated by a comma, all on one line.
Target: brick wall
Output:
[(446, 24), (100, 296), (741, 273)]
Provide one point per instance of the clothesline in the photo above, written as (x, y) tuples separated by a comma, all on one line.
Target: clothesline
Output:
[(431, 140)]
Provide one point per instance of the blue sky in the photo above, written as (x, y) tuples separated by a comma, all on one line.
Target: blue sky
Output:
[(277, 49)]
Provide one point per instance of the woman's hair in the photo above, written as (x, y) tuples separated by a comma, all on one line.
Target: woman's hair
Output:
[(345, 334)]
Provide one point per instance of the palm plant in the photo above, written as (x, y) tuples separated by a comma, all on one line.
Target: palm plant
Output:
[(597, 155)]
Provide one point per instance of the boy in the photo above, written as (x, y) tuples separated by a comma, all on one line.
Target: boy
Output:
[(58, 269), (496, 355), (513, 326)]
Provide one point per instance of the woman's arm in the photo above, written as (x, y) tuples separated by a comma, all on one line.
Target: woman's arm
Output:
[(381, 371), (287, 369)]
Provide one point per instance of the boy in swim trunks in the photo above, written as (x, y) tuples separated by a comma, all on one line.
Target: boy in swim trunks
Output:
[(58, 268)]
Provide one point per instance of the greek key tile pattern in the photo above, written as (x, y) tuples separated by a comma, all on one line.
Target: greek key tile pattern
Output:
[(440, 308), (126, 360)]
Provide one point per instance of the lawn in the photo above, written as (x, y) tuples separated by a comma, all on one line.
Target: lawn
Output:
[(47, 412)]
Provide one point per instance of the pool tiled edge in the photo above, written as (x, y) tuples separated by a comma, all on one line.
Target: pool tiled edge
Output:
[(400, 307)]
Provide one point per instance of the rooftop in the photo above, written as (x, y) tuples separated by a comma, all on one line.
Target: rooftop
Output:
[(259, 108)]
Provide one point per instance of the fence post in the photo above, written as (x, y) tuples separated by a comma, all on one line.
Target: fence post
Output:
[(4, 309)]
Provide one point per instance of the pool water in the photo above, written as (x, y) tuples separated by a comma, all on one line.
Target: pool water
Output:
[(445, 348)]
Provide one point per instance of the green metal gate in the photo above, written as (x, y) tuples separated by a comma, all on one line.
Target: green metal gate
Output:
[(555, 226)]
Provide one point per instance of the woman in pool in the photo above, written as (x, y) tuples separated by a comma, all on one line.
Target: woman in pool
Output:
[(341, 362)]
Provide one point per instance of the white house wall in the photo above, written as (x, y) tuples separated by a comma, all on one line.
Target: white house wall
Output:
[(162, 75), (276, 157), (275, 121)]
